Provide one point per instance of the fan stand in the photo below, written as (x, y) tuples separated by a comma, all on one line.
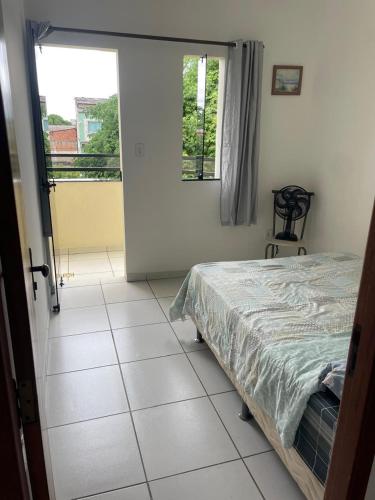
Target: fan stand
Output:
[(273, 244), (285, 202)]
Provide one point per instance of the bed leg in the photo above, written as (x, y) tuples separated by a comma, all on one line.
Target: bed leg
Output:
[(245, 413), (199, 339)]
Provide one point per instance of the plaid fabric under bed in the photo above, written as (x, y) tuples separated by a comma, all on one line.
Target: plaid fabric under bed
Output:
[(316, 432)]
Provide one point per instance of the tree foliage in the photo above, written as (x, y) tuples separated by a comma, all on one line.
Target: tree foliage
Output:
[(192, 117), (54, 119), (105, 140), (47, 146)]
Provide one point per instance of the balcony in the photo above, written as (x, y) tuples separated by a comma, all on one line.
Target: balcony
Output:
[(87, 214)]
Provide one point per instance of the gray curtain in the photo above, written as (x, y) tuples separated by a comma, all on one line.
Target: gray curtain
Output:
[(240, 134)]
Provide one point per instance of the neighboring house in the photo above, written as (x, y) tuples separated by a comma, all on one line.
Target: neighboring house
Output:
[(43, 110), (86, 126), (63, 138)]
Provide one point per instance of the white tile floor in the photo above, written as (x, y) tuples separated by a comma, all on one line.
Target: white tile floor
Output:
[(90, 268), (137, 411)]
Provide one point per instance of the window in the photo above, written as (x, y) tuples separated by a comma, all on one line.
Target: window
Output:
[(93, 126), (200, 123)]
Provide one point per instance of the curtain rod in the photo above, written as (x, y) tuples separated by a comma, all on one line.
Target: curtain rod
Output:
[(140, 36)]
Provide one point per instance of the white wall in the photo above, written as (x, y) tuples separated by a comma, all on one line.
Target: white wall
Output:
[(171, 225), (321, 140), (14, 24), (343, 135)]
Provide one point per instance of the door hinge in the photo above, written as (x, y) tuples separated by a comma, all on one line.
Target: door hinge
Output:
[(354, 346), (26, 401)]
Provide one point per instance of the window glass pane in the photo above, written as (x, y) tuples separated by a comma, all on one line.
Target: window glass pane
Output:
[(190, 117), (93, 127), (200, 96)]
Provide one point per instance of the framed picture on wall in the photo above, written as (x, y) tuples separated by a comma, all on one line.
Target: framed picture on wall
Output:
[(287, 80)]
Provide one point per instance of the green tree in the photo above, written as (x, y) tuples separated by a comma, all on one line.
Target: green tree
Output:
[(106, 140), (54, 119), (197, 120), (192, 119), (212, 82), (47, 147), (190, 111)]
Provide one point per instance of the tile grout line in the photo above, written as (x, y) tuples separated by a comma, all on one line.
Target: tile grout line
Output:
[(88, 419), (80, 370), (105, 303), (76, 334), (168, 403), (125, 301), (110, 265), (207, 467), (128, 401), (69, 285), (108, 330), (167, 356), (217, 413), (108, 491), (112, 269)]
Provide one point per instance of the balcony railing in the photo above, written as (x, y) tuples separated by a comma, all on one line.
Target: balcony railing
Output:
[(198, 168), (102, 167), (90, 166)]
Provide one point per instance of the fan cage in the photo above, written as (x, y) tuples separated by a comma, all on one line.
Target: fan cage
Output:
[(303, 218)]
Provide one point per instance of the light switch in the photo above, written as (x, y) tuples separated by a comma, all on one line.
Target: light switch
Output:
[(139, 149)]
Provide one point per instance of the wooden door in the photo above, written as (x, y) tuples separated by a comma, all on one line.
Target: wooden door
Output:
[(354, 446), (13, 468), (18, 314)]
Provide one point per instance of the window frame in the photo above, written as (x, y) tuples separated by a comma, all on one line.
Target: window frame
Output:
[(89, 121)]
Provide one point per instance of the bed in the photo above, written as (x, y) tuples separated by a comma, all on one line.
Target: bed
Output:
[(275, 326)]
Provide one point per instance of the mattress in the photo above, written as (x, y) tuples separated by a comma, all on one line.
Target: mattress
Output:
[(316, 432), (275, 324)]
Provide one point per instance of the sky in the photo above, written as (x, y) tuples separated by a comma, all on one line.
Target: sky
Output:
[(65, 73)]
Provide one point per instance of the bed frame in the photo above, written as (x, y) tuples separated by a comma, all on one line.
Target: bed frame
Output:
[(308, 483)]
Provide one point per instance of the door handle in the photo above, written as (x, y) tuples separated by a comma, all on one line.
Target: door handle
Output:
[(44, 269)]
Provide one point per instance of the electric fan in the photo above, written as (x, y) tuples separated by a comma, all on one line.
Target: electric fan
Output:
[(291, 203)]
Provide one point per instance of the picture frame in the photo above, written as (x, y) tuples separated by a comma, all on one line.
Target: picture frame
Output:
[(286, 80)]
